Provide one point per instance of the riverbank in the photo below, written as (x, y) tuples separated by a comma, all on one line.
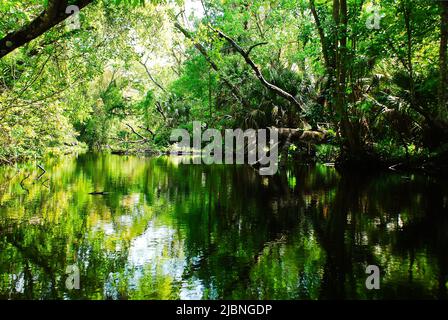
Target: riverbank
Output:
[(434, 163)]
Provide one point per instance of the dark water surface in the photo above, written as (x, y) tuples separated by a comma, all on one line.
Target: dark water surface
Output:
[(167, 230)]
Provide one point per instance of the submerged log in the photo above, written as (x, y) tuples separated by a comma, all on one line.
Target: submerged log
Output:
[(98, 193), (119, 152)]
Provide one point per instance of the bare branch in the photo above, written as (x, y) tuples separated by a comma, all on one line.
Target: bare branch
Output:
[(250, 62), (149, 130), (254, 46), (160, 110), (151, 77), (136, 133)]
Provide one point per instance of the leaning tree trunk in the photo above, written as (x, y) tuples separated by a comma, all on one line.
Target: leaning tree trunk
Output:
[(50, 17)]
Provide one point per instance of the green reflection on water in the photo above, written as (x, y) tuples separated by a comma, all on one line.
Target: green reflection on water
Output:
[(166, 230)]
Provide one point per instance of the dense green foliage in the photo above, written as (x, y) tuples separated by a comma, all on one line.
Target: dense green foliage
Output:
[(374, 75)]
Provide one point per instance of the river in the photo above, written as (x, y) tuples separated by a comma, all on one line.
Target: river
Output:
[(161, 229)]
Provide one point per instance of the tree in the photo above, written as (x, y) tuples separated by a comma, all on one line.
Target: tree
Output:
[(51, 16), (443, 59), (340, 17)]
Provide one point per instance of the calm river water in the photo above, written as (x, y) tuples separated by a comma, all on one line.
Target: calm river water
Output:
[(167, 230)]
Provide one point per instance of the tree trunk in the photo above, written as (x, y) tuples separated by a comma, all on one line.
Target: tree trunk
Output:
[(436, 131), (443, 63), (320, 31), (349, 136), (407, 20)]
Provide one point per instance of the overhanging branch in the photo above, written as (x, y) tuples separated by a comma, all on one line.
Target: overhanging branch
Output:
[(245, 54), (51, 16)]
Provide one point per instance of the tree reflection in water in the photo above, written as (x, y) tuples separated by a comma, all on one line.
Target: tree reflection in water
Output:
[(166, 230)]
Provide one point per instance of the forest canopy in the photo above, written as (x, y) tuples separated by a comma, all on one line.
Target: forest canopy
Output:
[(367, 79)]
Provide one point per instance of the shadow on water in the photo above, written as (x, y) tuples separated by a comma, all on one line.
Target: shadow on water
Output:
[(161, 229)]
